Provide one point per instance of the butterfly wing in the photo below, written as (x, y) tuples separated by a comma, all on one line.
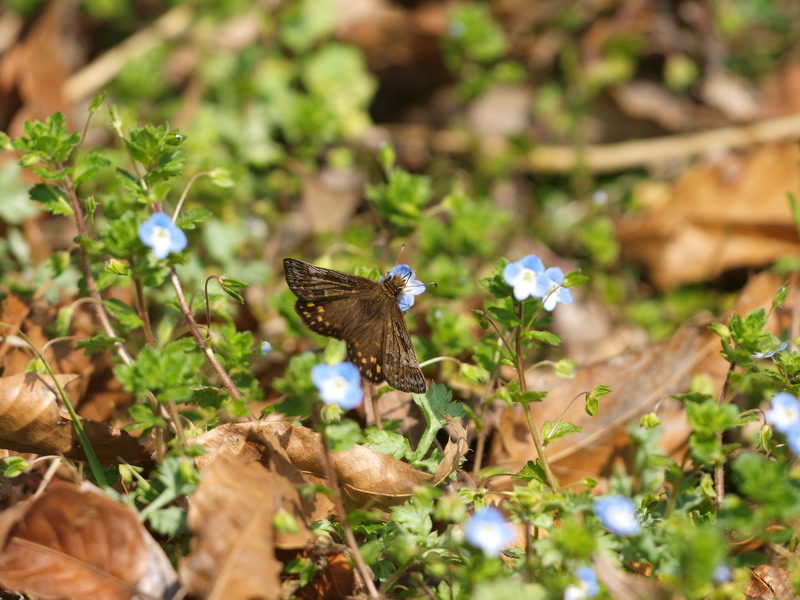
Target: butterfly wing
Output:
[(310, 282), (400, 366)]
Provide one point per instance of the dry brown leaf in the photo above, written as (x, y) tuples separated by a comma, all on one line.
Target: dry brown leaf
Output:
[(335, 581), (622, 585), (74, 542), (733, 214), (37, 67), (770, 583), (32, 422), (367, 477), (231, 514), (330, 198), (640, 382)]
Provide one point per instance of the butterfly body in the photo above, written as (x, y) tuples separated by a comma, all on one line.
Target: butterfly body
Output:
[(362, 312)]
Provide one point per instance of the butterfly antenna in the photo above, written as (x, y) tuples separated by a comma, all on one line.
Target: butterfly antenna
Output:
[(399, 254)]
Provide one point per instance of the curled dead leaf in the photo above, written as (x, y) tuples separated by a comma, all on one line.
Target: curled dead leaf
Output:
[(74, 542), (367, 477), (31, 421)]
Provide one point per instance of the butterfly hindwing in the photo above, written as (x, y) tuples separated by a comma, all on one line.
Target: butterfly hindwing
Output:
[(321, 316), (400, 365)]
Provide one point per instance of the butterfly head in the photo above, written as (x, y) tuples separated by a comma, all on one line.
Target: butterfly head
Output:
[(400, 282)]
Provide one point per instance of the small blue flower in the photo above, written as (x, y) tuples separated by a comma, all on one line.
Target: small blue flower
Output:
[(488, 530), (338, 384), (785, 412), (162, 235), (413, 287), (793, 439), (780, 348), (722, 574), (553, 280), (523, 276), (587, 585), (617, 514), (265, 348)]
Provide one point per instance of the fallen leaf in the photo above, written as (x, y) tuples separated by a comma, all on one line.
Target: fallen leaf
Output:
[(730, 215), (770, 583), (641, 382), (367, 478), (74, 542), (32, 422), (233, 550)]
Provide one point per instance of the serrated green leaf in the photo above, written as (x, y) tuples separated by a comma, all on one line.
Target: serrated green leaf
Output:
[(558, 429), (97, 344), (52, 199)]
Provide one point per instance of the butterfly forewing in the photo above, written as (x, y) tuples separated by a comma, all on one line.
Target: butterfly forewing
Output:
[(365, 315), (310, 282)]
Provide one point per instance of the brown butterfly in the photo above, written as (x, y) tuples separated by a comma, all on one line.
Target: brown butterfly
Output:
[(363, 313)]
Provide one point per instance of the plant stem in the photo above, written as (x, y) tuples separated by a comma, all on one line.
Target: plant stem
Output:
[(363, 569), (719, 466), (201, 342), (523, 387)]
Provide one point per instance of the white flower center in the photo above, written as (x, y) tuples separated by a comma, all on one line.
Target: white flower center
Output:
[(335, 388), (527, 276), (161, 237), (789, 414)]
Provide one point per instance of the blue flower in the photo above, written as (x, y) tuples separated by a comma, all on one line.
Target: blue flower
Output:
[(617, 514), (413, 287), (780, 348), (162, 235), (793, 440), (488, 530), (338, 384), (587, 585), (785, 412), (523, 276), (265, 348), (553, 280), (722, 574)]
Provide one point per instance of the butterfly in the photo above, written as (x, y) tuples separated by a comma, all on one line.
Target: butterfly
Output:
[(365, 314)]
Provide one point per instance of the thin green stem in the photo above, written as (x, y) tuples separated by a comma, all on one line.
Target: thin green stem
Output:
[(523, 388)]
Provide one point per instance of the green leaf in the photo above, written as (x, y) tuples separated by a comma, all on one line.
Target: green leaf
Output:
[(710, 418), (343, 435), (504, 316), (126, 316), (97, 102), (52, 198), (191, 219), (13, 466), (88, 165), (387, 157), (232, 286), (532, 471), (546, 337), (474, 373), (222, 178), (98, 343), (558, 429), (574, 279), (335, 352), (117, 267), (386, 442)]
